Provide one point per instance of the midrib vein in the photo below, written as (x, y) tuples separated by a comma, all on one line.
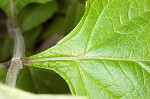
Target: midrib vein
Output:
[(84, 58)]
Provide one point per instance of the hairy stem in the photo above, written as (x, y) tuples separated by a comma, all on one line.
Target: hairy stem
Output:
[(13, 72), (19, 49), (1, 65), (5, 65)]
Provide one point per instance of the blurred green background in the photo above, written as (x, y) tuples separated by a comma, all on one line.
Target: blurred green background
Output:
[(42, 25)]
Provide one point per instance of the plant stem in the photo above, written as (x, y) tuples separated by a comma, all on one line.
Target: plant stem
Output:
[(19, 49), (19, 46), (2, 66), (5, 65), (13, 72)]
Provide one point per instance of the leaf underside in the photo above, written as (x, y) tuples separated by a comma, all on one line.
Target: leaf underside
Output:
[(107, 55)]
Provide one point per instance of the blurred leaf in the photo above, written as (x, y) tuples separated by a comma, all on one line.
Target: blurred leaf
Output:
[(63, 6), (41, 81), (3, 26), (52, 33), (74, 15), (30, 40), (18, 5), (50, 42), (35, 14), (3, 75), (25, 81), (56, 26), (1, 44), (9, 93), (6, 48)]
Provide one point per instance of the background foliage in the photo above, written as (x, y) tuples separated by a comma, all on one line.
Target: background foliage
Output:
[(43, 23)]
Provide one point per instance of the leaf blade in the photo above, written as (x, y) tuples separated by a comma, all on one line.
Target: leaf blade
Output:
[(100, 57)]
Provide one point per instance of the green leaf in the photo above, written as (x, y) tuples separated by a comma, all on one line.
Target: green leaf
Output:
[(74, 14), (18, 5), (51, 34), (30, 16), (41, 81), (31, 41), (108, 54), (8, 92), (52, 28), (6, 49), (3, 75)]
